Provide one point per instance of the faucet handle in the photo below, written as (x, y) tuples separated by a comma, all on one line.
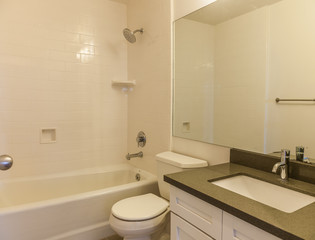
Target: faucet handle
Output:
[(141, 139), (285, 155)]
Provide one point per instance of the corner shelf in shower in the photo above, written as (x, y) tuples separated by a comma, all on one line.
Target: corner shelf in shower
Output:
[(124, 83)]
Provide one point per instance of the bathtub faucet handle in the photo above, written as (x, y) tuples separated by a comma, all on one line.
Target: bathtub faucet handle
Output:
[(141, 139), (6, 162)]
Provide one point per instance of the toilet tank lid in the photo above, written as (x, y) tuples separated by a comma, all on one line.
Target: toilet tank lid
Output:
[(180, 160)]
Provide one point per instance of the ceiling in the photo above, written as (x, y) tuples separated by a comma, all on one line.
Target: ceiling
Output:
[(223, 10)]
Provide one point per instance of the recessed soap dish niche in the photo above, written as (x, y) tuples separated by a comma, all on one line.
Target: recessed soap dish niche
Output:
[(48, 135)]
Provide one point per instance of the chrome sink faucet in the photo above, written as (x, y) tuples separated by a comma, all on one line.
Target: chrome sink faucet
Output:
[(283, 165)]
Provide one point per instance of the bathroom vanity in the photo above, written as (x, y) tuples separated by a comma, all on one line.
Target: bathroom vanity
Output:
[(202, 210), (193, 217)]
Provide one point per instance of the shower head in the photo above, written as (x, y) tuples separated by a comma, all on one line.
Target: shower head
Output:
[(130, 36)]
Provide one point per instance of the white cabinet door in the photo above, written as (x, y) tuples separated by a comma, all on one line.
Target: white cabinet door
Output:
[(237, 229), (182, 230), (197, 212)]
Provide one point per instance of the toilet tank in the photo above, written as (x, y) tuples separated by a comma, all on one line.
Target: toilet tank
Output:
[(170, 162)]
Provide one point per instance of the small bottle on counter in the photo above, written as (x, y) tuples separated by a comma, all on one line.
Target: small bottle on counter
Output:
[(299, 153)]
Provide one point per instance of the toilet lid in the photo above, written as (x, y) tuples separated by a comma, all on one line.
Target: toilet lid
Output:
[(141, 207)]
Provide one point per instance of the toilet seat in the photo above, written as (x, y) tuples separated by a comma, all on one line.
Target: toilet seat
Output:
[(140, 208)]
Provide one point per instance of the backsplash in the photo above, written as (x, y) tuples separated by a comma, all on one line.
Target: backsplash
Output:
[(264, 162), (57, 61)]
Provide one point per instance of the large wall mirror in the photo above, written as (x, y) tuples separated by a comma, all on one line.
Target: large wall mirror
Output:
[(233, 58)]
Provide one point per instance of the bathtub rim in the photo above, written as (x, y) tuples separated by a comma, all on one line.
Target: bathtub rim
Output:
[(149, 179), (85, 171)]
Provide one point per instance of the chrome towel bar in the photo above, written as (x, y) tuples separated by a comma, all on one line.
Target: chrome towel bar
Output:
[(294, 100)]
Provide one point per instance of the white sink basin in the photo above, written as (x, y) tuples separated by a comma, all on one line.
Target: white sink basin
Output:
[(272, 195)]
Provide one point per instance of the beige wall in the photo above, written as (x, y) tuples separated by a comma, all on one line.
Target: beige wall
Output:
[(149, 63), (57, 61), (291, 75)]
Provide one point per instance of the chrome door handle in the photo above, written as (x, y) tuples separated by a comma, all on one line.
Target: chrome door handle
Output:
[(6, 162)]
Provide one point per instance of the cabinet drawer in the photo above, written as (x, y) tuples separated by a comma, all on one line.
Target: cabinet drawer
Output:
[(182, 230), (237, 229), (197, 212)]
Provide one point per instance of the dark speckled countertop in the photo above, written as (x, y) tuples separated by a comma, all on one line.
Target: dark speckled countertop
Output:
[(297, 225)]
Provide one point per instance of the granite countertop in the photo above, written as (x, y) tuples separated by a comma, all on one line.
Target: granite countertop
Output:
[(296, 225)]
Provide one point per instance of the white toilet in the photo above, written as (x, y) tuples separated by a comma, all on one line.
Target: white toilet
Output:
[(141, 217)]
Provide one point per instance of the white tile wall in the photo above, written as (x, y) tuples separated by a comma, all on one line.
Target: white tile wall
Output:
[(57, 61)]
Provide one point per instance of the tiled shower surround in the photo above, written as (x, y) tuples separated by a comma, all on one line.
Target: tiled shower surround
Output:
[(57, 61)]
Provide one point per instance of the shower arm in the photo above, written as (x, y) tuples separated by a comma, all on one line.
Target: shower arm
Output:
[(138, 30)]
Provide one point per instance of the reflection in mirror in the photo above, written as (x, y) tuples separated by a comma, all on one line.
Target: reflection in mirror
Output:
[(232, 60)]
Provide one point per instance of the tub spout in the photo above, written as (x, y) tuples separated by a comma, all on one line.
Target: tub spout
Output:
[(133, 155)]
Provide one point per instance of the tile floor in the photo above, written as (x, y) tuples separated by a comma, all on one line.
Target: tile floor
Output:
[(114, 237)]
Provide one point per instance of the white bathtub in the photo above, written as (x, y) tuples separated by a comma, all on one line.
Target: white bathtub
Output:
[(72, 206)]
